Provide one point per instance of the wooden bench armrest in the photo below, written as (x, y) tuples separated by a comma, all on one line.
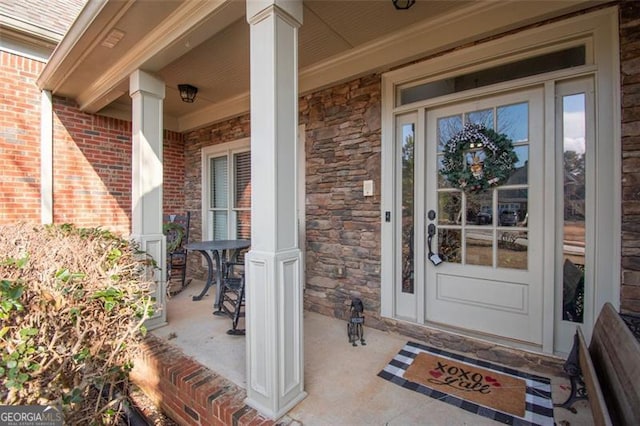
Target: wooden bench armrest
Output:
[(598, 405)]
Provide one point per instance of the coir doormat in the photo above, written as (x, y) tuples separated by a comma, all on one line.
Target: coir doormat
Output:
[(500, 393)]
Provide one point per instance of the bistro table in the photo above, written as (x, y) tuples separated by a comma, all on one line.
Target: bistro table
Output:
[(221, 249)]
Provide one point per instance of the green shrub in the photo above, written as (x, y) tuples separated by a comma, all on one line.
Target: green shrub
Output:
[(72, 305)]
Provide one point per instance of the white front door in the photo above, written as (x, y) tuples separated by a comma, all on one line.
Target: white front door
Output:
[(491, 280)]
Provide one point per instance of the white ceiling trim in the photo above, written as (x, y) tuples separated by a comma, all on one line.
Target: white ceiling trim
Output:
[(187, 16)]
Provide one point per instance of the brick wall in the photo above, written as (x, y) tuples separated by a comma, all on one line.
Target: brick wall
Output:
[(343, 143), (92, 157), (188, 392), (19, 139), (630, 78), (92, 169), (173, 167)]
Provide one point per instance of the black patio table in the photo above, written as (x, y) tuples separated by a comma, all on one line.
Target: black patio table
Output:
[(220, 249)]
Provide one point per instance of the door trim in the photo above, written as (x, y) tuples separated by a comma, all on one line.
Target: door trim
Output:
[(599, 30)]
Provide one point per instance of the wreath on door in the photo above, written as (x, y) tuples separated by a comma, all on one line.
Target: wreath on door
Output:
[(478, 158)]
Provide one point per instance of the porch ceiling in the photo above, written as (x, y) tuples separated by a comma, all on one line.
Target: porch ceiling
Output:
[(206, 44)]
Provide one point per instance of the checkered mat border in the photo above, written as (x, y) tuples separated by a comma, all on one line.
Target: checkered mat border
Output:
[(539, 405)]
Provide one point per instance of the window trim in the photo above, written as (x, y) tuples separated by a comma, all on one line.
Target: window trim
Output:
[(225, 149)]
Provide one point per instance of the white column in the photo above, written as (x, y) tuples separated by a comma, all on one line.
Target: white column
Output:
[(46, 158), (147, 94), (273, 266)]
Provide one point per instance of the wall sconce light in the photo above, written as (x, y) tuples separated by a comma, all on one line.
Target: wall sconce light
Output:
[(187, 92), (403, 4)]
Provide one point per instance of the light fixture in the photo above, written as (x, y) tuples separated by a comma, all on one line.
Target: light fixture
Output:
[(403, 4), (187, 92)]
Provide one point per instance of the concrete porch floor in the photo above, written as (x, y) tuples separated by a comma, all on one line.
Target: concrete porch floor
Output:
[(341, 380)]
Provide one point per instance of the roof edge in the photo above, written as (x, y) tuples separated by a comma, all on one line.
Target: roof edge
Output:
[(51, 74)]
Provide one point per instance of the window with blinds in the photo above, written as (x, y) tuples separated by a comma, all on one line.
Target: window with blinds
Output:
[(242, 203), (230, 196)]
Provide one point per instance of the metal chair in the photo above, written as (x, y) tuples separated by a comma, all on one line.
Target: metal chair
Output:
[(232, 295), (176, 229)]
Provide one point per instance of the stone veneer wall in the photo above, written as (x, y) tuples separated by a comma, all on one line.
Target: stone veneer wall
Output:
[(343, 144), (630, 93)]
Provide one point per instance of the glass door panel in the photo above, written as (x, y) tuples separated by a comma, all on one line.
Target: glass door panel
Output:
[(406, 143), (574, 253), (486, 212)]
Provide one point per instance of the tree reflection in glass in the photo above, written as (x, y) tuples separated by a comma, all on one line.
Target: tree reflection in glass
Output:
[(574, 162), (408, 176)]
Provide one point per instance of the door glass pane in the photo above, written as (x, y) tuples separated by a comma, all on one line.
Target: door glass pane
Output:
[(442, 181), (520, 176), (512, 250), (513, 121), (450, 208), (574, 142), (408, 175), (219, 182), (449, 245), (483, 117), (479, 247), (513, 207), (447, 127), (479, 208)]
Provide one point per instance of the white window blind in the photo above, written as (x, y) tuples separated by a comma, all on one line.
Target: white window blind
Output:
[(229, 203), (242, 205)]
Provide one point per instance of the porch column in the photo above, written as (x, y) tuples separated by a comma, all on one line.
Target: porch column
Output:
[(273, 271), (147, 94)]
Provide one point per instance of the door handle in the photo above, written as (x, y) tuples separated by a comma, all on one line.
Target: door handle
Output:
[(431, 231)]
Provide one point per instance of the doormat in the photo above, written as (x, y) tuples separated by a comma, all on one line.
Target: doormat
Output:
[(500, 393)]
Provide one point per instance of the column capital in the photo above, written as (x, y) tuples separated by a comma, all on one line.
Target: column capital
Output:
[(141, 81), (256, 9)]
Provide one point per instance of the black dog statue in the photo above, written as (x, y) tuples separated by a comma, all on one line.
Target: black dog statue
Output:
[(355, 325)]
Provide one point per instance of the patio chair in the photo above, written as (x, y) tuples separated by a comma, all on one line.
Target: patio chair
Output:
[(176, 230), (232, 295)]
